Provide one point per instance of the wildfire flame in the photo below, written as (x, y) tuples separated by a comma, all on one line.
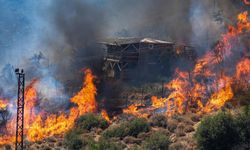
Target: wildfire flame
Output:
[(105, 115), (218, 99), (55, 125), (246, 2), (243, 68), (42, 125), (30, 102), (134, 110), (204, 88), (3, 104), (161, 102), (85, 99)]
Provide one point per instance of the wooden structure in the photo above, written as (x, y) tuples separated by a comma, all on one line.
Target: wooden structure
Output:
[(125, 56)]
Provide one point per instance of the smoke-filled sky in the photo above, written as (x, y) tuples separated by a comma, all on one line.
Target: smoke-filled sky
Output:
[(54, 39), (65, 31)]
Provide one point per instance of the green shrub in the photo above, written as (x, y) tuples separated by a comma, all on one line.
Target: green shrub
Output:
[(217, 132), (243, 126), (247, 110), (103, 145), (72, 140), (116, 131), (159, 121), (88, 121), (156, 141), (132, 128), (137, 126)]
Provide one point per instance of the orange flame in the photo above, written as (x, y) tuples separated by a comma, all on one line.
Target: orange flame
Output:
[(158, 103), (10, 126), (3, 104), (246, 2), (243, 68), (29, 104), (55, 125), (193, 89), (105, 115), (133, 110), (219, 98), (85, 99), (42, 125)]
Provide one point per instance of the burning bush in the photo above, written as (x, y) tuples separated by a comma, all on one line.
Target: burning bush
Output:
[(90, 120), (132, 128), (156, 141), (217, 132)]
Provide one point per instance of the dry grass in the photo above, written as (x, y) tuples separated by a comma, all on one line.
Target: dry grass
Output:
[(189, 129), (172, 125), (180, 130)]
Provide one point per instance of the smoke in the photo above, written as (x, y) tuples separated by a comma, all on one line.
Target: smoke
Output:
[(203, 25), (76, 27), (66, 32), (158, 19)]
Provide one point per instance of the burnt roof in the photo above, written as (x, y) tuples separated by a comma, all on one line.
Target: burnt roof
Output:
[(132, 40)]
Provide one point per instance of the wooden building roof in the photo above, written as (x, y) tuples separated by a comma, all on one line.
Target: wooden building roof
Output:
[(132, 40)]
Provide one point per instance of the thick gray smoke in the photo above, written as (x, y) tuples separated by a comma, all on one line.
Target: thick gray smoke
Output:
[(66, 32), (78, 24)]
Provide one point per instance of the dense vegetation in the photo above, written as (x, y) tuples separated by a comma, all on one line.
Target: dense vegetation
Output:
[(220, 131), (90, 120), (132, 128), (223, 131), (73, 140), (103, 145), (217, 132), (156, 141)]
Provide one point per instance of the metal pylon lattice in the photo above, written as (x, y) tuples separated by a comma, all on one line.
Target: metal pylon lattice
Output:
[(20, 109)]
